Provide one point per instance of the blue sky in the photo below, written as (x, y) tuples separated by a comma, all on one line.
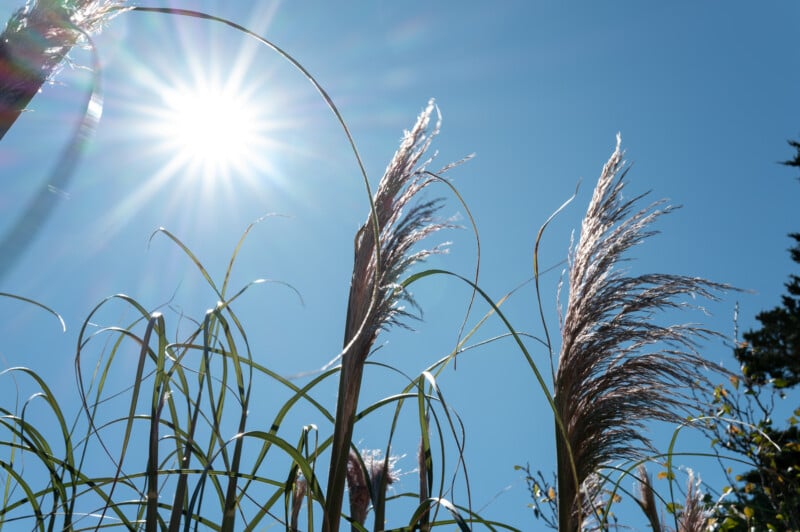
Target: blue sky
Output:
[(704, 96)]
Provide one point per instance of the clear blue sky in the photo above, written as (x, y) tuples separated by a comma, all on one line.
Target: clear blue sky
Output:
[(705, 96)]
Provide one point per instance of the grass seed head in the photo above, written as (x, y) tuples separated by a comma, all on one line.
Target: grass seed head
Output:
[(358, 489), (619, 369)]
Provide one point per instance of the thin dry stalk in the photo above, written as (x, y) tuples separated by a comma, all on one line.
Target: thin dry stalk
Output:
[(424, 521), (383, 253), (647, 499), (36, 40), (618, 369)]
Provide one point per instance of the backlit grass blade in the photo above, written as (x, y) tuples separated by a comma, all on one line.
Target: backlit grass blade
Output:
[(536, 276), (189, 253), (37, 304), (155, 321)]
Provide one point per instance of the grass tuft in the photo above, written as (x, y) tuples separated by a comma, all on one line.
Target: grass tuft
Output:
[(618, 368), (383, 254), (174, 449)]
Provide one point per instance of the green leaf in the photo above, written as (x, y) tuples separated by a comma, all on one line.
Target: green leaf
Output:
[(669, 475), (673, 507), (780, 383)]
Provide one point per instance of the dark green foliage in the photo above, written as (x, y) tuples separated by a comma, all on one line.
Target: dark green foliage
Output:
[(796, 161), (773, 489), (772, 353), (766, 497)]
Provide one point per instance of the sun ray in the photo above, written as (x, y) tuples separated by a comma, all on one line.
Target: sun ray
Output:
[(208, 119)]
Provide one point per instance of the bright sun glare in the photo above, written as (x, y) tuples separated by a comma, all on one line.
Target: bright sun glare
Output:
[(210, 131), (205, 116), (213, 135)]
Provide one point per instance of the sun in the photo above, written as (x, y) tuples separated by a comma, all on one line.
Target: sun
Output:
[(212, 131), (209, 118), (204, 122), (209, 125)]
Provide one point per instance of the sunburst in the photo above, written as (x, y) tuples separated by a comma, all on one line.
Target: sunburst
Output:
[(210, 129), (209, 126), (207, 118)]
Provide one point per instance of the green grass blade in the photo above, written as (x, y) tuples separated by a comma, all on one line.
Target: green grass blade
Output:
[(41, 306), (518, 340)]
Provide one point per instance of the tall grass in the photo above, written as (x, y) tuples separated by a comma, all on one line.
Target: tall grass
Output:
[(213, 364), (169, 451), (618, 367), (382, 256), (175, 449)]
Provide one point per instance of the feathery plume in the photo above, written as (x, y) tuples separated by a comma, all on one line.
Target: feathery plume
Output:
[(36, 40), (358, 489), (378, 271), (382, 474), (383, 253), (617, 368), (369, 483), (693, 517)]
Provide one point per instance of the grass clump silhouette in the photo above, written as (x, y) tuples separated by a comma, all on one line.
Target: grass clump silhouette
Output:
[(187, 456)]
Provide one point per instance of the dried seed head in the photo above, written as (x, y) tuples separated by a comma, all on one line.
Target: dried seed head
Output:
[(380, 472), (358, 489), (298, 493), (647, 499), (36, 40), (694, 517), (618, 369), (384, 251), (42, 32), (376, 296)]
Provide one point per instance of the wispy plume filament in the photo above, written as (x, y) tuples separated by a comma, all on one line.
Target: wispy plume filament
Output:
[(617, 368)]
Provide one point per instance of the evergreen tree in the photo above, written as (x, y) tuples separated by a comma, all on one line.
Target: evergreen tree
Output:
[(768, 496)]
